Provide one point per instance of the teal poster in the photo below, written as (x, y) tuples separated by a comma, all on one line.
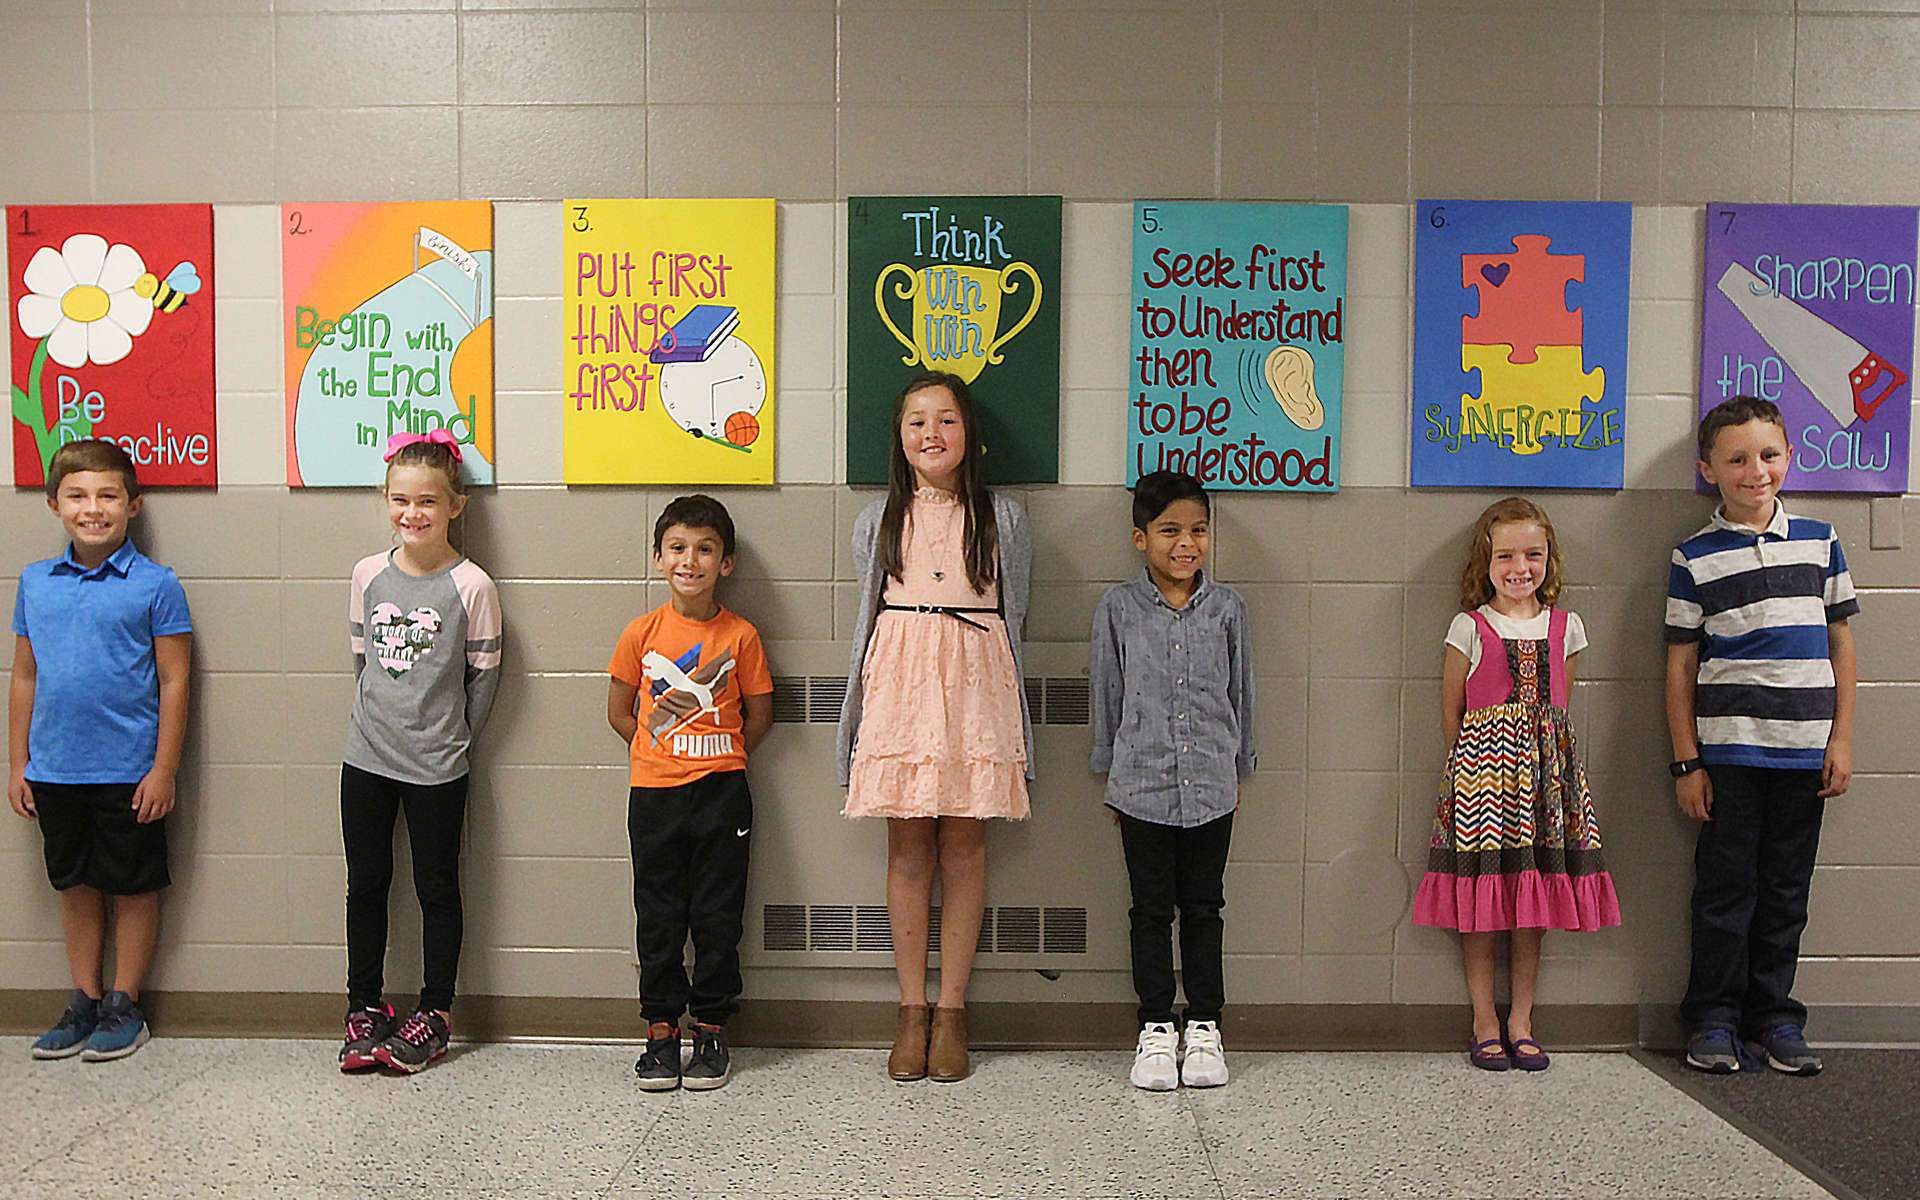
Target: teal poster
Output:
[(1238, 353)]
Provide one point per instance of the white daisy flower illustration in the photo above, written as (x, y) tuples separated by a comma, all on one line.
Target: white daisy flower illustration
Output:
[(83, 296)]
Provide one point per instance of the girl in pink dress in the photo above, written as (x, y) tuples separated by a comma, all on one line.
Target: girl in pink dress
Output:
[(934, 735), (1515, 846)]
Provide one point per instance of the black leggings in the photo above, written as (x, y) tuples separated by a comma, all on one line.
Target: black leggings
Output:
[(369, 804)]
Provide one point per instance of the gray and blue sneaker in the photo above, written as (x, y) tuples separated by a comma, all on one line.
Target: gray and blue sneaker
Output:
[(1786, 1051), (121, 1031), (1715, 1051), (711, 1066), (70, 1033)]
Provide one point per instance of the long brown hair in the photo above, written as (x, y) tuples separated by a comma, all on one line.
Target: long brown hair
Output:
[(980, 534), (1475, 588)]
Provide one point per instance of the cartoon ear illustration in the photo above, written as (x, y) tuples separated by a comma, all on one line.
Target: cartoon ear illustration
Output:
[(1289, 371)]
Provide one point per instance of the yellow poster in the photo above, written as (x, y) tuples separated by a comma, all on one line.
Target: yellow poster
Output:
[(667, 342)]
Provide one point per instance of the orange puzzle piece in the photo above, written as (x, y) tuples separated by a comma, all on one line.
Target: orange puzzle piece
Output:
[(1523, 297)]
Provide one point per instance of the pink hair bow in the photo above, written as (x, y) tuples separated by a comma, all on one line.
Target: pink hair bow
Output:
[(401, 441)]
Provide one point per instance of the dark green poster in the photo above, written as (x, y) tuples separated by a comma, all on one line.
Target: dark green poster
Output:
[(965, 284)]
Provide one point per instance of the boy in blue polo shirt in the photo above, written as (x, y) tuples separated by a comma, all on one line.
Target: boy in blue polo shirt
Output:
[(1760, 690), (97, 714)]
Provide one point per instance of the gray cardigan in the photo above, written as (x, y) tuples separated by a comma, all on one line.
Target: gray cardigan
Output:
[(1016, 570)]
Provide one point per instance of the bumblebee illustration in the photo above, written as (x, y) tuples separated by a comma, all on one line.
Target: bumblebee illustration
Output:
[(170, 293)]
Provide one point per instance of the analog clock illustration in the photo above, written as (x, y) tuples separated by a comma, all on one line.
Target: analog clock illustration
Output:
[(719, 398)]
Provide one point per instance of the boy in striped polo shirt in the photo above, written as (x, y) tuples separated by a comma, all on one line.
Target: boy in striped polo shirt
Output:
[(1760, 683)]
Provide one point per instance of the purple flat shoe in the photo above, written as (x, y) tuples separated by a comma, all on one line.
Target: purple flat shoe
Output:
[(1490, 1055), (1534, 1059)]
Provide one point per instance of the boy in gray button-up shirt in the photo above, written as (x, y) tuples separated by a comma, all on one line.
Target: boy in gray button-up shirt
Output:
[(1172, 676)]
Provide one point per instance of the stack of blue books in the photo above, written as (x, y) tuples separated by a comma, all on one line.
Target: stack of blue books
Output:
[(697, 335)]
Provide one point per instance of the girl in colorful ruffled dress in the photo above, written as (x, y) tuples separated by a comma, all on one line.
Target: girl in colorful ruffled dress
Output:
[(1515, 847)]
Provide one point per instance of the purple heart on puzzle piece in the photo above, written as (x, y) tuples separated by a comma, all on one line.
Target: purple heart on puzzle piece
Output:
[(1496, 273)]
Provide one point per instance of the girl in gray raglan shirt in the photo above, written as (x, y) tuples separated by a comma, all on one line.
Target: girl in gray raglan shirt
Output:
[(424, 624)]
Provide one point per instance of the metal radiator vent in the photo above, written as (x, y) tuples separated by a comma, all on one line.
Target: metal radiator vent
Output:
[(871, 929), (1063, 930), (1059, 699), (783, 926), (1018, 931), (816, 699), (1069, 700), (808, 699), (845, 928), (830, 927)]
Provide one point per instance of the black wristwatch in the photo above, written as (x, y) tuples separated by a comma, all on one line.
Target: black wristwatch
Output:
[(1685, 766)]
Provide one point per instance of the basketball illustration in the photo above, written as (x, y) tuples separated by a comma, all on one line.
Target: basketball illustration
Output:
[(743, 429)]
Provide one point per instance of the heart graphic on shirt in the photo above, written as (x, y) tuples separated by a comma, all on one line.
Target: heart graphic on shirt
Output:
[(399, 640)]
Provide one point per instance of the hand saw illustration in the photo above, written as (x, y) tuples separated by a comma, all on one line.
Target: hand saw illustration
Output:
[(1836, 369)]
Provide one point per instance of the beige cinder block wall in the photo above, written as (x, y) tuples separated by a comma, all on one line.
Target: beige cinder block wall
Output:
[(1375, 104)]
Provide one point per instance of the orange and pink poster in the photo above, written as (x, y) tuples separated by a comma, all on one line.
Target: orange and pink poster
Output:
[(389, 329), (112, 310)]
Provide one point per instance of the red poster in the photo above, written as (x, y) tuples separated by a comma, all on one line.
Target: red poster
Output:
[(112, 308)]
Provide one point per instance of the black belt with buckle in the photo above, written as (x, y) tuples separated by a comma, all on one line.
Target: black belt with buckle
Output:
[(947, 609)]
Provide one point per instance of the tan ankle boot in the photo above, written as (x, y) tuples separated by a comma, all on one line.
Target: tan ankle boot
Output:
[(909, 1058), (947, 1055)]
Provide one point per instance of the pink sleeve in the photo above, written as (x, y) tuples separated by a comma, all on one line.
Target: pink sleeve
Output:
[(484, 623), (363, 573)]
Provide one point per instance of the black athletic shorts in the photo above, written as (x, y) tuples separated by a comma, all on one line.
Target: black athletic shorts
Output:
[(93, 838)]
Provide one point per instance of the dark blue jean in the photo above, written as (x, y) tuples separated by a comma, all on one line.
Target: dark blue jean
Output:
[(1753, 867)]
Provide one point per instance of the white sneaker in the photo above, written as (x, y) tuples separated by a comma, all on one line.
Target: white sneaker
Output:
[(1205, 1064), (1155, 1065)]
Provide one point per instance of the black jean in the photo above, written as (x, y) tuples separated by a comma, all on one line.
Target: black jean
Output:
[(690, 877), (369, 805), (1752, 868), (1169, 869)]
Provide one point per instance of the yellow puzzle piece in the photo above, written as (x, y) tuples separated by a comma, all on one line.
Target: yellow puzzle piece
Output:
[(1529, 401)]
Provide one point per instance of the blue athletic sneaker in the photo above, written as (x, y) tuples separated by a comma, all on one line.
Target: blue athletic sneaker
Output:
[(70, 1033), (1715, 1051), (1787, 1051), (122, 1029)]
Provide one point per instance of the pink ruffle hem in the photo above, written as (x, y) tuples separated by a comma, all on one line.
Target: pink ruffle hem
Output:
[(1527, 900), (885, 787)]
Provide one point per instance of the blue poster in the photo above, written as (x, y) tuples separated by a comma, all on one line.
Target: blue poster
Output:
[(1237, 351), (1520, 344)]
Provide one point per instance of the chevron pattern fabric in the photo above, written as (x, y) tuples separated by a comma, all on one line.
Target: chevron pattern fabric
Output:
[(1515, 795)]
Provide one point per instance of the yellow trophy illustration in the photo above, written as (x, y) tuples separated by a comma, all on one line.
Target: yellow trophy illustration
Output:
[(956, 313)]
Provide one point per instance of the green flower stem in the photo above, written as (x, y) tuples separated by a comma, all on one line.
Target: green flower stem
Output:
[(29, 410)]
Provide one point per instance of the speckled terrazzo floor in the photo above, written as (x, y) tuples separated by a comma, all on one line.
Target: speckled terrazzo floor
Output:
[(199, 1118)]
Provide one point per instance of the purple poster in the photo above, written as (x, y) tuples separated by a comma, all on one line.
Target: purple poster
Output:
[(1811, 306)]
